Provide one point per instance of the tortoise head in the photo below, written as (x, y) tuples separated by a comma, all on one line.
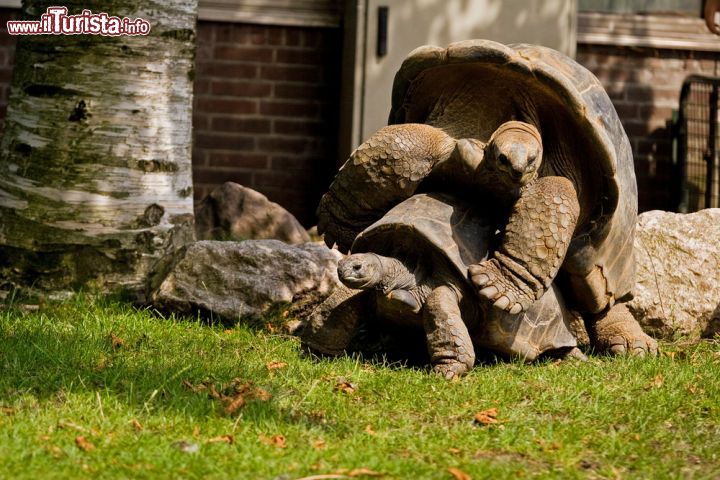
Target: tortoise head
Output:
[(514, 152), (361, 270)]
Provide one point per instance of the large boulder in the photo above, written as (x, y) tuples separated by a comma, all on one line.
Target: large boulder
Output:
[(234, 212), (678, 273), (239, 279)]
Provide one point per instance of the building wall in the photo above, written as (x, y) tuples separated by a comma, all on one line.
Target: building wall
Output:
[(644, 85), (266, 111)]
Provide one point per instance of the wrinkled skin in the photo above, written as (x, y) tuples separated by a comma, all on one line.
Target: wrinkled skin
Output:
[(436, 305)]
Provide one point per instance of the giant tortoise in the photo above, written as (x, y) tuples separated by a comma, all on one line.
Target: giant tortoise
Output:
[(533, 130), (410, 268)]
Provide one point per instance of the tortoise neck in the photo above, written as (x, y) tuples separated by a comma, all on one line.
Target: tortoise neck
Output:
[(396, 274)]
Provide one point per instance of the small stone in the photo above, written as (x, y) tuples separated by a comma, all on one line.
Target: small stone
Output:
[(236, 279), (235, 212)]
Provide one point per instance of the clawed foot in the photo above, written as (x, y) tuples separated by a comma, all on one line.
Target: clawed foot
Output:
[(499, 286), (618, 333), (624, 344), (575, 354), (450, 370)]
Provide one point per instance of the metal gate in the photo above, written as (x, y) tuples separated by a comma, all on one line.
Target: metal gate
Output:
[(698, 144)]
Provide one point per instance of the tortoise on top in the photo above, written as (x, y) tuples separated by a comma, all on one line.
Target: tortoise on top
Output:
[(532, 130)]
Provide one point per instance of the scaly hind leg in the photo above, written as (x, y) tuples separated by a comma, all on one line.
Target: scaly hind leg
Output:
[(330, 327), (616, 332), (383, 171), (537, 236), (449, 344)]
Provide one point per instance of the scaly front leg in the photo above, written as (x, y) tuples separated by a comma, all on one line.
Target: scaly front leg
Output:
[(382, 172), (537, 236), (448, 341)]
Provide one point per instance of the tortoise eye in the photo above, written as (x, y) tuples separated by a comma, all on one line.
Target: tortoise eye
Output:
[(531, 160), (503, 159)]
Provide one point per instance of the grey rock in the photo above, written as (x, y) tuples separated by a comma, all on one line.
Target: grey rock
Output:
[(677, 288), (234, 212), (238, 279)]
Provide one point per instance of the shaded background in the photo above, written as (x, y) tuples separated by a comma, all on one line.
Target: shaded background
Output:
[(268, 87)]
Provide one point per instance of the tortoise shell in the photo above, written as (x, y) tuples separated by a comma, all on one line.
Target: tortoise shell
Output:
[(470, 88), (430, 225)]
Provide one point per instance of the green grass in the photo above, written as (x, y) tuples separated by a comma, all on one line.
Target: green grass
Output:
[(61, 378)]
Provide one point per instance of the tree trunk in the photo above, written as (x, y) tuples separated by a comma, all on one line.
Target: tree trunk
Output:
[(95, 164)]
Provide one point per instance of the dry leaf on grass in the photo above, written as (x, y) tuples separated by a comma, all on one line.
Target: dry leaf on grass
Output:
[(262, 395), (233, 395), (275, 365), (680, 355), (8, 410), (344, 385), (656, 382), (454, 451), (137, 425), (270, 328), (319, 445), (369, 430), (67, 424), (694, 389), (229, 439), (459, 474), (233, 404), (274, 441), (191, 387), (487, 417), (83, 444), (547, 447), (116, 342)]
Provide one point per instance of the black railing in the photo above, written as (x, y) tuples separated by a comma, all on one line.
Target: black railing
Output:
[(697, 144)]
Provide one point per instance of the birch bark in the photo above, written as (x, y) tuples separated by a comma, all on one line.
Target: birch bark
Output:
[(95, 163)]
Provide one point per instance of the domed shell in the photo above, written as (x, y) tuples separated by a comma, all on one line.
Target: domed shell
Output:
[(430, 225), (583, 138)]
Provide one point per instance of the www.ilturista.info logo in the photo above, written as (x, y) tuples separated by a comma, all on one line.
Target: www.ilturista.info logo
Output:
[(57, 22)]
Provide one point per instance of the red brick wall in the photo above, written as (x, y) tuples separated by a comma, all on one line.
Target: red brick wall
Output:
[(644, 85), (266, 110)]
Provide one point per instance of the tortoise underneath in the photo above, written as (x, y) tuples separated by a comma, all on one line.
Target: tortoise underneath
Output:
[(410, 269)]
